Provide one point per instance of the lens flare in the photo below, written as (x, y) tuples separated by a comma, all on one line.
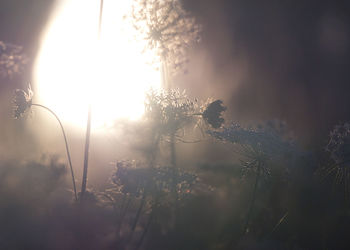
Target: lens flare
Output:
[(74, 68)]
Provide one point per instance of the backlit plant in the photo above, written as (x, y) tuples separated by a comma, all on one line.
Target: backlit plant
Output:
[(169, 29)]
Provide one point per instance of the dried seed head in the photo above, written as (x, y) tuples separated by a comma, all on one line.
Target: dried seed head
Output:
[(22, 101), (213, 114)]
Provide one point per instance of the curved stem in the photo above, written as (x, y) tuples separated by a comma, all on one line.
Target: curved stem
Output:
[(66, 143)]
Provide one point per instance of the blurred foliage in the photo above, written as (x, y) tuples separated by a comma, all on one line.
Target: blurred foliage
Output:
[(136, 178), (12, 60), (293, 208)]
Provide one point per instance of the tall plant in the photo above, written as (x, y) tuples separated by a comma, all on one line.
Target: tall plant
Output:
[(170, 31)]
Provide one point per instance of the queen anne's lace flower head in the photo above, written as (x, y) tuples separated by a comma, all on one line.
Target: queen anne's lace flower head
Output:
[(168, 28)]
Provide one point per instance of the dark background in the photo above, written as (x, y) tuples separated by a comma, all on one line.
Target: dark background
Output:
[(295, 58)]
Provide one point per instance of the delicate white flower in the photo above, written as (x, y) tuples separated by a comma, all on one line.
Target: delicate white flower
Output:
[(168, 28)]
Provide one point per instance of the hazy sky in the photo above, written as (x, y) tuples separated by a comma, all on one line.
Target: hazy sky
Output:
[(274, 59)]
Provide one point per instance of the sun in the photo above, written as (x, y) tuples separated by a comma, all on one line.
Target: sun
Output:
[(75, 69)]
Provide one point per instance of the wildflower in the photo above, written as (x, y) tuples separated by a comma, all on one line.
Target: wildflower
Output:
[(167, 27), (170, 111), (258, 146), (22, 101), (213, 114)]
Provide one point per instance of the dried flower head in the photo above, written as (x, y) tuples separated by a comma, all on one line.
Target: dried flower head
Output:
[(22, 101), (168, 28), (12, 60), (213, 114)]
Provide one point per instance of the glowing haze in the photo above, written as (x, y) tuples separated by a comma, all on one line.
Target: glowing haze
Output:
[(74, 68)]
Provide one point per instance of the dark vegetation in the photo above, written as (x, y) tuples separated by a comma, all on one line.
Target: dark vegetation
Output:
[(274, 195)]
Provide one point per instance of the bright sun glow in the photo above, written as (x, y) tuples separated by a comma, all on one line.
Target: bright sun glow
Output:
[(74, 69)]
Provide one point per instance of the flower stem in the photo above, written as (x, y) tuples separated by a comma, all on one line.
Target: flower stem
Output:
[(66, 143), (86, 154), (88, 127)]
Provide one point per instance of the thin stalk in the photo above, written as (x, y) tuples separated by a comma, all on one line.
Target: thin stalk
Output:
[(173, 164), (123, 213), (165, 75), (150, 219), (66, 143), (138, 214), (154, 149), (88, 126), (149, 222), (100, 20), (86, 154), (172, 151)]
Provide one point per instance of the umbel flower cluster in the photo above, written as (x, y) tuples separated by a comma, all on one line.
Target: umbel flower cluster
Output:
[(12, 60), (257, 145), (260, 139), (168, 28), (172, 110)]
